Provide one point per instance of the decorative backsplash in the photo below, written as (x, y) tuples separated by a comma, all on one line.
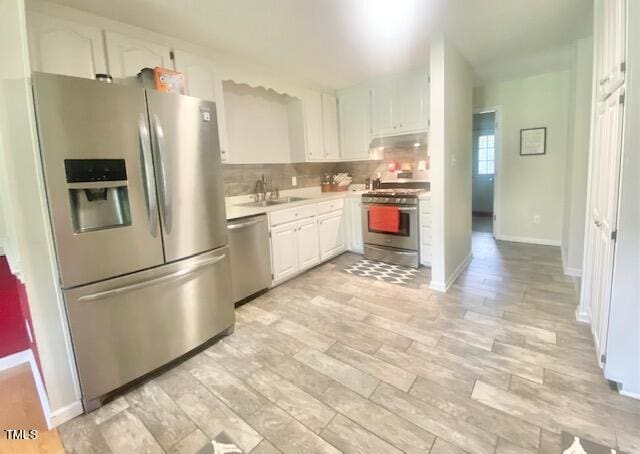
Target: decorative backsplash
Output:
[(240, 179)]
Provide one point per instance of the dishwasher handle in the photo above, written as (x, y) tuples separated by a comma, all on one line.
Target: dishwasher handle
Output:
[(243, 225)]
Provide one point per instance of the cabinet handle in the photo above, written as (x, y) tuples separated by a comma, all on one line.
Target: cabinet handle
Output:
[(604, 80)]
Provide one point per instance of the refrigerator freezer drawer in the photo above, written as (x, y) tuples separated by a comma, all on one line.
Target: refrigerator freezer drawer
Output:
[(126, 327)]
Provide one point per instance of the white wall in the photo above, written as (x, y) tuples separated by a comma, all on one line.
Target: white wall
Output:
[(623, 340), (26, 210), (530, 185), (451, 114), (577, 166)]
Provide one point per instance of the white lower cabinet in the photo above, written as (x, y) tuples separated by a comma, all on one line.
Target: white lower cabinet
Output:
[(331, 233), (308, 249), (284, 251), (353, 221), (425, 232), (294, 248)]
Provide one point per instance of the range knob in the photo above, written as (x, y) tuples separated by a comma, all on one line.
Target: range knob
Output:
[(386, 200), (402, 200)]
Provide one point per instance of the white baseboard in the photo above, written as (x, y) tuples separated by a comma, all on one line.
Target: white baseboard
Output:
[(64, 414), (583, 317), (629, 394), (575, 272), (523, 239), (444, 286), (26, 356)]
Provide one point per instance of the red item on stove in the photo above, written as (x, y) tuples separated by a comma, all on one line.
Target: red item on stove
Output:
[(384, 218)]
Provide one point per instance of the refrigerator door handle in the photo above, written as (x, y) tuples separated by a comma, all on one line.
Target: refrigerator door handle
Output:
[(147, 175), (164, 180), (151, 282)]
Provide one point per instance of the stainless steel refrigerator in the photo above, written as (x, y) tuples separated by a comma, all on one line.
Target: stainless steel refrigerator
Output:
[(136, 199)]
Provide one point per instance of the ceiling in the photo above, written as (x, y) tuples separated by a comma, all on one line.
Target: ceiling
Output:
[(336, 43)]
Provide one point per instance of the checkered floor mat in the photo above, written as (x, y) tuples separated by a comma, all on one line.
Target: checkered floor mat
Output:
[(394, 274)]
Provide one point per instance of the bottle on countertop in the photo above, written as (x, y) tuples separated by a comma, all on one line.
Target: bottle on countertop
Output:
[(367, 183)]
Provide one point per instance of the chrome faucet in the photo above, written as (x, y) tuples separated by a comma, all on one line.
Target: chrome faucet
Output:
[(264, 189)]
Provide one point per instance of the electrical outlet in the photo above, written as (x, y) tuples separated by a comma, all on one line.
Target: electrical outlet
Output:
[(294, 181), (536, 219)]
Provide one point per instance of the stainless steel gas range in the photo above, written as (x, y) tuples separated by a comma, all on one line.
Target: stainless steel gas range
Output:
[(390, 227)]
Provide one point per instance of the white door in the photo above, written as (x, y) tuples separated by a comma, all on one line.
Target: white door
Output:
[(412, 102), (383, 105), (605, 182), (354, 113), (127, 56), (308, 247), (62, 47), (331, 232), (330, 126), (202, 81), (611, 23), (284, 251)]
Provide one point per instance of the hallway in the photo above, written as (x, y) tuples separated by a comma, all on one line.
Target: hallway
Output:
[(331, 362)]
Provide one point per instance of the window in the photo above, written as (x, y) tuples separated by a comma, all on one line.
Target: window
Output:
[(486, 151)]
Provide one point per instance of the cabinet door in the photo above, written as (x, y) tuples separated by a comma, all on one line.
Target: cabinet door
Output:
[(354, 225), (308, 248), (331, 232), (284, 251), (383, 105), (314, 138), (330, 126), (411, 105), (127, 56), (202, 81), (62, 47), (354, 114)]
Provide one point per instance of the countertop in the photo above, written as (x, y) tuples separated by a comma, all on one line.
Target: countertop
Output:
[(311, 195)]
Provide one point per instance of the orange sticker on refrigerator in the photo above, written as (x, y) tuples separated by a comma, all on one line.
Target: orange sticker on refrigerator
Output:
[(169, 81)]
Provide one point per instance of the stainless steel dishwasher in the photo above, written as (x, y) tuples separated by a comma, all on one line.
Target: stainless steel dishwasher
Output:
[(250, 259)]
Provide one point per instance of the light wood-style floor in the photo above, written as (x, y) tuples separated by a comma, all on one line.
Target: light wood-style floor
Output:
[(329, 362), (20, 409)]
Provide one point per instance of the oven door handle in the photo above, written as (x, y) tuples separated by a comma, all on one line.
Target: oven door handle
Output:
[(366, 207)]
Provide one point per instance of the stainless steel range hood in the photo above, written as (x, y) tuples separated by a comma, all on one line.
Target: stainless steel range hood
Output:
[(414, 140)]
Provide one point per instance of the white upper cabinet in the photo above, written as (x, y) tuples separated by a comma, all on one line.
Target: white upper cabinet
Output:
[(64, 47), (314, 143), (400, 104), (127, 56), (611, 27), (383, 101), (202, 81), (354, 114), (330, 126)]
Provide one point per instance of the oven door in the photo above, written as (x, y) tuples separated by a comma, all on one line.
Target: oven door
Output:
[(407, 236)]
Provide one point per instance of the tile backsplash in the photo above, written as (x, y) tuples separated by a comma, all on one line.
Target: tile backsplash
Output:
[(240, 179)]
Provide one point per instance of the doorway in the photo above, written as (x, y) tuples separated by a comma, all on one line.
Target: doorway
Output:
[(484, 170)]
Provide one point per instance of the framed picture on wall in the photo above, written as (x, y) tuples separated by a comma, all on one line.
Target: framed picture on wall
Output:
[(533, 141)]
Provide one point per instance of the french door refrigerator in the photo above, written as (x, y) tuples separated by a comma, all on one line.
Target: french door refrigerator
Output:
[(136, 200)]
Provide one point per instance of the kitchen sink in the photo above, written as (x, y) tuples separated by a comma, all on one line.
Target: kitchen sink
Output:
[(268, 203)]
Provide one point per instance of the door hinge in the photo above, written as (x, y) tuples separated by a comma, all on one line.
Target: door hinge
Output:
[(622, 96), (623, 66), (603, 358), (494, 217), (269, 233), (614, 235), (172, 55), (271, 276), (429, 78)]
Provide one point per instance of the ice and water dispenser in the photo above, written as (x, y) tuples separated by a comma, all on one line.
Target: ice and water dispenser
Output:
[(98, 194)]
